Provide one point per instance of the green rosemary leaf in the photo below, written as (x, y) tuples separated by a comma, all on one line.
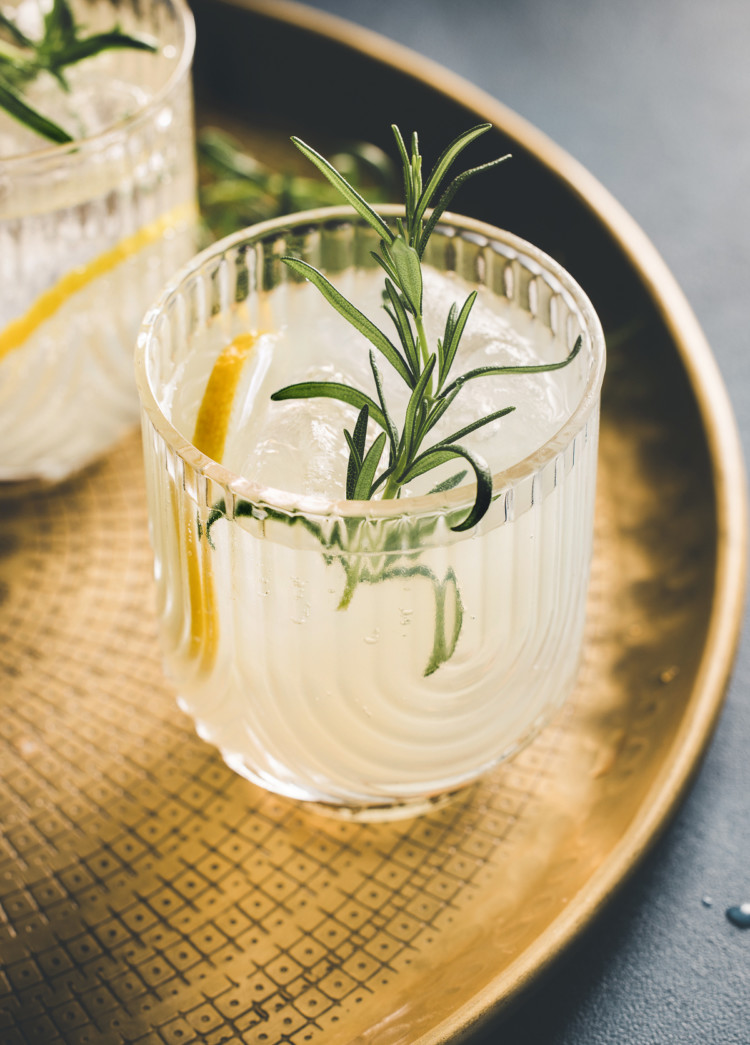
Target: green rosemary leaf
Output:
[(401, 321), (416, 167), (444, 643), (454, 328), (359, 436), (10, 27), (480, 423), (267, 512), (450, 322), (218, 511), (61, 79), (231, 191), (15, 106), (413, 409), (450, 483), (483, 497), (409, 274), (386, 262), (15, 70), (363, 158), (426, 461), (443, 165), (444, 452), (406, 164), (354, 466), (348, 191), (366, 476), (332, 390), (445, 639), (355, 457), (359, 321), (447, 196), (356, 443), (400, 257), (77, 50), (389, 425), (59, 26), (494, 371), (224, 155)]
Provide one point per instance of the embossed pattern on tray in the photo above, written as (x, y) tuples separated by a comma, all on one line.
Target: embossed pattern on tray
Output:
[(150, 895)]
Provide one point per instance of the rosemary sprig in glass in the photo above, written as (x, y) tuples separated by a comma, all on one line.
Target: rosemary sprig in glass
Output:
[(62, 44), (433, 388), (427, 372)]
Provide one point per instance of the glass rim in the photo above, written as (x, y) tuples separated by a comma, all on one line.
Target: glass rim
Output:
[(440, 503), (101, 139)]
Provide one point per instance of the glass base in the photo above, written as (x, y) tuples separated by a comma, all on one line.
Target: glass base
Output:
[(356, 812), (378, 814)]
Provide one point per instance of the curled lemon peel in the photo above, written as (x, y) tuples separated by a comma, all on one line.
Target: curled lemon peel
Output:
[(212, 422), (211, 426)]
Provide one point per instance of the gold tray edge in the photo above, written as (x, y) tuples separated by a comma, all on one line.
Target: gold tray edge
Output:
[(730, 487)]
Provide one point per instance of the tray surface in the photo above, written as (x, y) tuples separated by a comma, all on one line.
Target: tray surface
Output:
[(149, 894)]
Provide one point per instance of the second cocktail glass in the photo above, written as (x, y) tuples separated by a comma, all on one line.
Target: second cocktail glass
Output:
[(89, 232)]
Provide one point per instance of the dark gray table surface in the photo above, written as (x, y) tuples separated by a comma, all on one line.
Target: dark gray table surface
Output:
[(653, 97)]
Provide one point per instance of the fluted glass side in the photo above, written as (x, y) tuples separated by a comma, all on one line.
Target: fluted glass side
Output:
[(89, 232), (364, 654)]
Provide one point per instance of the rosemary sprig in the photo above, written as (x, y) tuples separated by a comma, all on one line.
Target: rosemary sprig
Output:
[(427, 374), (425, 371), (62, 44), (236, 190), (392, 565)]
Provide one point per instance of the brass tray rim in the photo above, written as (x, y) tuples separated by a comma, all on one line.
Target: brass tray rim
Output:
[(681, 763)]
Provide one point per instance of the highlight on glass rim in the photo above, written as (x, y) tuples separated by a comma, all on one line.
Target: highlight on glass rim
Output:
[(97, 209), (371, 459)]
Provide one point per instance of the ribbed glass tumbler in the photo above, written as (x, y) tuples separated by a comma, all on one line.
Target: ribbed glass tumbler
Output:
[(89, 232), (364, 655)]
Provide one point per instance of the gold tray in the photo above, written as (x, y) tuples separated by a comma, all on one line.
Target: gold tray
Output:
[(147, 894)]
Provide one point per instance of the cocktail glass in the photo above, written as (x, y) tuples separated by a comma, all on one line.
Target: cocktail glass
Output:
[(89, 232), (361, 655)]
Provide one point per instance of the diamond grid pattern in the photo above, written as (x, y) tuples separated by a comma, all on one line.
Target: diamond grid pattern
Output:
[(149, 895), (269, 946)]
